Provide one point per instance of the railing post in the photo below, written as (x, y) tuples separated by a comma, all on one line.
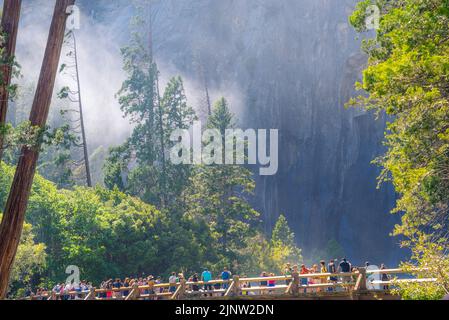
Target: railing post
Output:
[(91, 294), (236, 289), (361, 280), (289, 288), (180, 291), (134, 294)]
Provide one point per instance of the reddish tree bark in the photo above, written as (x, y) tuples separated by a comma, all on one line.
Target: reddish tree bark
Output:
[(16, 205), (9, 26)]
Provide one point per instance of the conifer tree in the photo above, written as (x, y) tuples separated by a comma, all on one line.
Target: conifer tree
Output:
[(219, 194)]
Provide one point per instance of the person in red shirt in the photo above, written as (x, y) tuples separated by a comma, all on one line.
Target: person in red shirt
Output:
[(304, 281)]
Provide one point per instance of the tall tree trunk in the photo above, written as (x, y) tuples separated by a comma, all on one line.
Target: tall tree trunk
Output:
[(83, 130), (9, 26), (16, 205)]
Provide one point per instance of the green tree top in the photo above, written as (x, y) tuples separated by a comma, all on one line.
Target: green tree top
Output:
[(282, 233)]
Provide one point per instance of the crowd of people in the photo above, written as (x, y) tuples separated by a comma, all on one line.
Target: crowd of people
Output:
[(332, 267), (119, 289)]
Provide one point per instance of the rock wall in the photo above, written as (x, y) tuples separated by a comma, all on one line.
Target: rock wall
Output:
[(291, 65)]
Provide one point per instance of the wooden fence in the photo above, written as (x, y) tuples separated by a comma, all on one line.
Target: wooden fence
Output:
[(284, 286)]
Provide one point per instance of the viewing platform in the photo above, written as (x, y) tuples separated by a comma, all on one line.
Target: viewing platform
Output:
[(358, 285)]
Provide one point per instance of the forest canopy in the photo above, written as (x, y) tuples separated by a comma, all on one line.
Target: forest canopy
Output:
[(107, 233)]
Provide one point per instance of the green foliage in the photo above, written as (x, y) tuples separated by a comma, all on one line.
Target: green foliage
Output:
[(30, 260), (140, 166), (283, 246), (406, 78), (8, 62), (104, 232), (217, 196), (432, 258), (282, 233)]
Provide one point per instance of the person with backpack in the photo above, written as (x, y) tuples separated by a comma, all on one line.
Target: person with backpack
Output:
[(345, 267)]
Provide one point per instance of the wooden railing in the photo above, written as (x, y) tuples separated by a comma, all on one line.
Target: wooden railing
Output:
[(238, 287)]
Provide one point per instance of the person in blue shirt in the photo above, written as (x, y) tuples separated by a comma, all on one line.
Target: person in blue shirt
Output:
[(225, 276), (206, 276)]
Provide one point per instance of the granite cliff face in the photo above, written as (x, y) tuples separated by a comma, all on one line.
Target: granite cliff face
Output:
[(291, 65)]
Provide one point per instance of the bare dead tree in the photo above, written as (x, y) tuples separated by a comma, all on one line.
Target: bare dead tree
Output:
[(16, 205), (9, 26), (71, 69)]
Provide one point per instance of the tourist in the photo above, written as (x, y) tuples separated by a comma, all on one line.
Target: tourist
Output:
[(323, 269), (126, 284), (345, 267), (271, 283), (245, 285), (67, 289), (263, 283), (295, 279), (313, 280), (159, 281), (144, 284), (225, 276), (151, 283), (109, 289), (195, 279), (116, 285), (304, 281), (206, 276), (172, 281), (55, 291), (44, 294), (77, 287), (385, 277)]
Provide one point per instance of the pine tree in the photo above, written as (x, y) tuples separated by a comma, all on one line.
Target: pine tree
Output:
[(140, 165), (282, 233), (283, 245), (218, 195)]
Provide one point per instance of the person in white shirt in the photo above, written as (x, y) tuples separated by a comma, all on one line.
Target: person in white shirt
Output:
[(172, 281)]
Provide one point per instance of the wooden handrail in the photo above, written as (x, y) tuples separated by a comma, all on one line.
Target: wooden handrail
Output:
[(394, 281), (307, 275), (234, 285), (397, 271)]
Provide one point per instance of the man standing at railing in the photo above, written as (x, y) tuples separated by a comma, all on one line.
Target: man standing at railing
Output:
[(172, 281), (345, 267), (206, 276), (225, 276), (385, 278)]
